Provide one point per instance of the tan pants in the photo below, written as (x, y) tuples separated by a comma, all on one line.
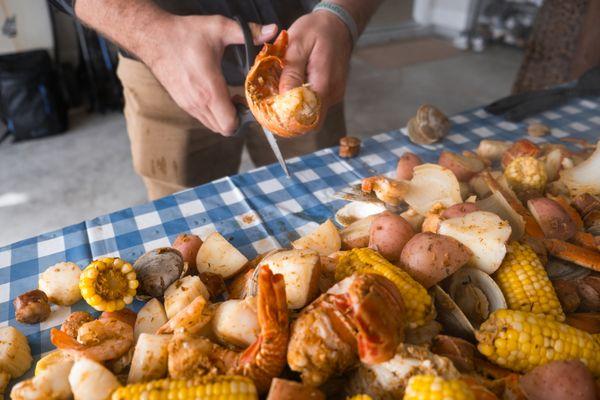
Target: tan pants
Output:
[(171, 150)]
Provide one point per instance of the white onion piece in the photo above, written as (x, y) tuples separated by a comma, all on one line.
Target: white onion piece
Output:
[(585, 177)]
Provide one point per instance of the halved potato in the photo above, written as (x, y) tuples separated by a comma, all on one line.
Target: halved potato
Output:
[(218, 256), (150, 358), (301, 270), (150, 317), (324, 240), (236, 322)]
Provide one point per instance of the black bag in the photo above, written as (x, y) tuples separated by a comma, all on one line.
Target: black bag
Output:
[(31, 104)]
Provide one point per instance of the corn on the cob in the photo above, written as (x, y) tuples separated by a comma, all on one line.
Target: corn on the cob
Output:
[(15, 354), (108, 284), (431, 387), (526, 175), (521, 341), (360, 397), (417, 301), (207, 388), (525, 283)]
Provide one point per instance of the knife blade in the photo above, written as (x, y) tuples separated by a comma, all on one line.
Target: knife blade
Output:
[(276, 150)]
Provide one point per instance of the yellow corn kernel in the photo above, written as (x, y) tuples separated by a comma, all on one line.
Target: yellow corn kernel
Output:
[(525, 283), (418, 303), (360, 397), (207, 388), (526, 175), (549, 341), (431, 387), (108, 284)]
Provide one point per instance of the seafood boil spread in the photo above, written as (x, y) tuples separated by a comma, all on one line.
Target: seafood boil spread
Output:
[(476, 277)]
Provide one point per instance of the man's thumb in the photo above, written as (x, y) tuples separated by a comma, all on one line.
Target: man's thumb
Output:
[(232, 32), (292, 76)]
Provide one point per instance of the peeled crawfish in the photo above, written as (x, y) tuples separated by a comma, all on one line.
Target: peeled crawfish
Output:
[(428, 126), (290, 114), (471, 296)]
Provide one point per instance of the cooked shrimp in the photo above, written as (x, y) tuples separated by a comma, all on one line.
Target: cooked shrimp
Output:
[(262, 361), (190, 319), (99, 340)]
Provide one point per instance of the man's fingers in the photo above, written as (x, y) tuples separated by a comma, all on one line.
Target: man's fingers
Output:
[(222, 108), (294, 70), (232, 32)]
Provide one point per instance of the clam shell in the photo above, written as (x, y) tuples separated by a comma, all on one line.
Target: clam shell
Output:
[(450, 315), (485, 297), (356, 210), (428, 126), (157, 269), (477, 284), (560, 269)]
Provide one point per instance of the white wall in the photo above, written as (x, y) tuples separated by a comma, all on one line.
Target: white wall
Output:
[(448, 14), (33, 25)]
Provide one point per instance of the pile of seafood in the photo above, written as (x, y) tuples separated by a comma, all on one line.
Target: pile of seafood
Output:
[(473, 278)]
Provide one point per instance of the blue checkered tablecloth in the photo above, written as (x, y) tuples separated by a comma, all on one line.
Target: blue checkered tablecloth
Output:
[(256, 211)]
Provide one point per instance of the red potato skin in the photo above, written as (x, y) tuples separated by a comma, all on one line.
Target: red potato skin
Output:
[(459, 210), (458, 164), (559, 380), (282, 389), (188, 245), (388, 235), (552, 218), (407, 162), (430, 257)]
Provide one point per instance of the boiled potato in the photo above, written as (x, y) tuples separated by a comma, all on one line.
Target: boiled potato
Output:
[(60, 282), (559, 380), (188, 245), (182, 292), (150, 357), (484, 233), (218, 256), (555, 222), (463, 167), (356, 234), (459, 210), (91, 380), (388, 235), (301, 270), (235, 322), (407, 162), (429, 257), (324, 240), (150, 317)]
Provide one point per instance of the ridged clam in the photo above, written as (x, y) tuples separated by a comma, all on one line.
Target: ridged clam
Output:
[(157, 269), (428, 126), (470, 296)]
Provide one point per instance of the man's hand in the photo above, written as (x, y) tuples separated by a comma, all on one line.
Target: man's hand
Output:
[(319, 52), (183, 52), (186, 58)]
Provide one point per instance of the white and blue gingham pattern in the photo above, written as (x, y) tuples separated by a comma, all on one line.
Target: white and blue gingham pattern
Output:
[(256, 211)]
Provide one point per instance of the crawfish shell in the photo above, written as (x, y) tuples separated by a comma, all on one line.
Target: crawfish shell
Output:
[(157, 269)]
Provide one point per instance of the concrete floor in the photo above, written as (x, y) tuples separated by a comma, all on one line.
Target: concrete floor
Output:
[(49, 183)]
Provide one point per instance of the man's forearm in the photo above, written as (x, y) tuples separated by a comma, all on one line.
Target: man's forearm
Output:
[(361, 10), (133, 24)]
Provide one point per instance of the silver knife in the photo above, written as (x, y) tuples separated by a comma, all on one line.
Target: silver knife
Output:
[(275, 147)]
